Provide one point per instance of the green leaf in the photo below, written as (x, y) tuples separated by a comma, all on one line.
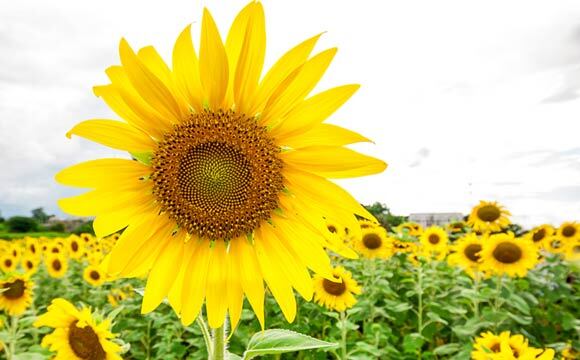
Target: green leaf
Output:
[(447, 349), (230, 356), (277, 341), (144, 158), (29, 356)]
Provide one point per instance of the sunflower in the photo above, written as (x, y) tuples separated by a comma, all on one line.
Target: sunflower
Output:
[(8, 262), (456, 227), (434, 240), (75, 247), (555, 244), (32, 247), (503, 254), (569, 353), (373, 243), (230, 184), (489, 346), (411, 228), (569, 231), (57, 265), (573, 251), (540, 233), (488, 216), (87, 238), (115, 296), (77, 334), (94, 275), (466, 253), (17, 294), (29, 264), (337, 294)]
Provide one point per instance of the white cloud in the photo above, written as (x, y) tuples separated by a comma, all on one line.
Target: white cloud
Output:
[(465, 81)]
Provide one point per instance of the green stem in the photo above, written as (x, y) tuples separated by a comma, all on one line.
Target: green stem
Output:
[(206, 335), (13, 332), (220, 342), (343, 331), (420, 300), (476, 295)]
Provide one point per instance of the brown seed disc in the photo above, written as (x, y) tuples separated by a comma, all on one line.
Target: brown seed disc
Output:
[(507, 252)]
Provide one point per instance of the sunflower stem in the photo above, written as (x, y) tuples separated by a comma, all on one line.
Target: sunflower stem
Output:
[(13, 332), (475, 296), (419, 290), (343, 332), (220, 342), (206, 335)]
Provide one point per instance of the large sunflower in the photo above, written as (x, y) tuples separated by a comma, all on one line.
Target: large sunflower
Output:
[(77, 335), (488, 216), (504, 254), (16, 296), (230, 184), (466, 253), (337, 294)]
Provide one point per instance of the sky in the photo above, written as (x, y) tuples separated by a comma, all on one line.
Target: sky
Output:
[(465, 100)]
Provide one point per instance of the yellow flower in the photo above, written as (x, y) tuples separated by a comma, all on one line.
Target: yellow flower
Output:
[(456, 227), (569, 231), (555, 244), (373, 243), (230, 188), (77, 335), (338, 294), (503, 254), (573, 251), (94, 275), (410, 228), (29, 264), (75, 247), (540, 233), (489, 346), (434, 240), (17, 294), (466, 253), (56, 265), (488, 217), (8, 262), (115, 296)]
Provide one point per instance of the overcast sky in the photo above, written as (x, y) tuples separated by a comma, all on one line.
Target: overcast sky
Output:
[(465, 100)]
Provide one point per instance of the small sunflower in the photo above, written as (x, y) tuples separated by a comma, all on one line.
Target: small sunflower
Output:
[(555, 244), (489, 346), (76, 247), (29, 264), (32, 247), (77, 333), (456, 227), (573, 251), (434, 240), (410, 228), (466, 253), (8, 263), (94, 275), (230, 188), (374, 243), (569, 353), (540, 233), (488, 216), (504, 254), (17, 294), (115, 296), (569, 231), (56, 265), (336, 295)]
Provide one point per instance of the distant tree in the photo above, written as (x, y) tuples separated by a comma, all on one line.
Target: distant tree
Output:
[(57, 227), (384, 215), (39, 215), (1, 218), (21, 224), (85, 228)]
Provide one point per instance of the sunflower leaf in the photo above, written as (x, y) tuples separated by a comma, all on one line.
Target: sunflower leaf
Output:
[(277, 341)]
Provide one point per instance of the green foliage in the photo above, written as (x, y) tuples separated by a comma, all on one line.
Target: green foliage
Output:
[(22, 224), (384, 216), (40, 216), (85, 228)]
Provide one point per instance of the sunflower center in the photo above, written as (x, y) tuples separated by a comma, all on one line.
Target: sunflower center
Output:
[(74, 246), (507, 253), (495, 348), (334, 288), (489, 213), (218, 175), (85, 343), (539, 235), (372, 241), (471, 252), (56, 265), (331, 228), (569, 231), (8, 263), (29, 265), (434, 239), (556, 244), (95, 275), (15, 289)]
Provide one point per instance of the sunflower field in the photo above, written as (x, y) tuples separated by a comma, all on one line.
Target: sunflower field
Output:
[(219, 232), (450, 292)]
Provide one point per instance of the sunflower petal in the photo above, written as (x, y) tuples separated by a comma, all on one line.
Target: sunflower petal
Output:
[(102, 172), (186, 69), (322, 134), (213, 62), (114, 134), (216, 287), (194, 283), (235, 291), (333, 162)]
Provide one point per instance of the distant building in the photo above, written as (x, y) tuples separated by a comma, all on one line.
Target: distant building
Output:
[(428, 219), (69, 224)]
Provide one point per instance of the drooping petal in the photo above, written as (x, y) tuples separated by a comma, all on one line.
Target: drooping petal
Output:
[(333, 162), (114, 134), (213, 62), (313, 111)]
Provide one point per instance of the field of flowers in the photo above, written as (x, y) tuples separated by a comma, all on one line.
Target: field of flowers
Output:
[(453, 292)]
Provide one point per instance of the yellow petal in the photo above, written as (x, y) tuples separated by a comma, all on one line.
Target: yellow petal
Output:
[(162, 275), (288, 63), (149, 86), (96, 202), (194, 283), (275, 278), (251, 59), (110, 222), (144, 258), (176, 291), (235, 291), (333, 162), (213, 62), (314, 110), (102, 172), (322, 134), (216, 291), (288, 95), (250, 275), (114, 134), (186, 69)]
